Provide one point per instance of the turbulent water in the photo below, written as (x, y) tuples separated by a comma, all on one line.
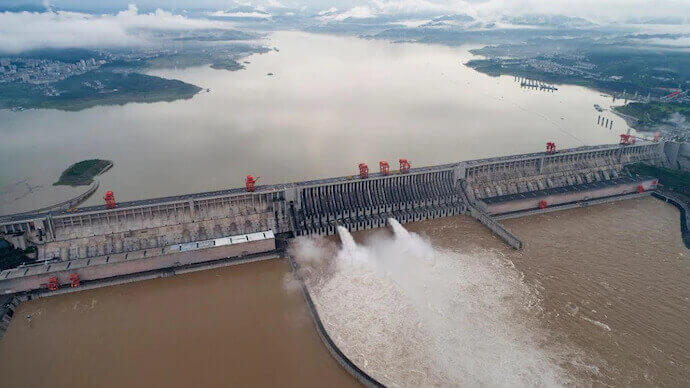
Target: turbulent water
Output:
[(413, 315)]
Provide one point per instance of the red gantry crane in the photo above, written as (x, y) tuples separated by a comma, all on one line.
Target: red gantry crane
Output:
[(404, 166), (363, 170), (109, 198), (550, 147), (53, 283), (627, 139), (250, 183), (384, 167)]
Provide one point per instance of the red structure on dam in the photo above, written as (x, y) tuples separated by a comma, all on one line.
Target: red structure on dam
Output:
[(128, 237)]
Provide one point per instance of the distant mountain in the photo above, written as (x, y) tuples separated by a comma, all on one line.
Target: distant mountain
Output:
[(459, 20), (241, 13), (678, 20), (554, 21)]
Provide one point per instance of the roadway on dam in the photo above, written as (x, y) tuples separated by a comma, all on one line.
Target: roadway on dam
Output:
[(275, 187)]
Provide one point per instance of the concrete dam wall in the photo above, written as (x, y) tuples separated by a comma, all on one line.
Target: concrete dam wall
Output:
[(488, 189), (368, 203)]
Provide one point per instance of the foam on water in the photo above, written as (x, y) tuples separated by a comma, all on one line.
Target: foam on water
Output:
[(413, 315)]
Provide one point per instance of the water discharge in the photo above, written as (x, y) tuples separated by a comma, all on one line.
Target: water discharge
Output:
[(411, 314)]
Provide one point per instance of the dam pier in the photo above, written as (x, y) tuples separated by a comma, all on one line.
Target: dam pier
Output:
[(97, 243)]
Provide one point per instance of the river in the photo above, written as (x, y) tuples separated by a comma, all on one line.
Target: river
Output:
[(333, 101), (599, 295), (234, 326)]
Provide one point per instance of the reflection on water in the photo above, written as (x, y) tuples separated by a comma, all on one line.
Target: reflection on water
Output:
[(333, 102)]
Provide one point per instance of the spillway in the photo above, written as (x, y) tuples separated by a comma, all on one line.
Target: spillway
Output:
[(100, 242), (414, 315)]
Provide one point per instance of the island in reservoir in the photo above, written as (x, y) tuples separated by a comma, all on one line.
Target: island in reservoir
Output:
[(82, 173)]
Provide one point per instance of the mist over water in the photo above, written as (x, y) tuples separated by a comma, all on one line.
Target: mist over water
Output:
[(411, 314)]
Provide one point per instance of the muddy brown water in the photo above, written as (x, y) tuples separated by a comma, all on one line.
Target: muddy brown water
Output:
[(234, 326), (614, 281)]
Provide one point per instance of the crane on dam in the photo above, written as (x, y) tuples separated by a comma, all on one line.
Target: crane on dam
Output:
[(627, 139), (109, 199), (363, 170), (404, 166), (250, 183), (550, 148), (384, 167)]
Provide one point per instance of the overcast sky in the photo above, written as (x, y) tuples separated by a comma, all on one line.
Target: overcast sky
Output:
[(125, 24), (592, 9)]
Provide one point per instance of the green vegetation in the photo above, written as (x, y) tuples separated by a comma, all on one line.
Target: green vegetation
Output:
[(609, 67), (82, 173), (652, 113), (96, 88), (229, 64), (70, 55), (671, 179), (11, 257)]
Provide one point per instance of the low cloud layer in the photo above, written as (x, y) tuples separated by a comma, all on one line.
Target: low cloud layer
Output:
[(602, 11), (22, 31)]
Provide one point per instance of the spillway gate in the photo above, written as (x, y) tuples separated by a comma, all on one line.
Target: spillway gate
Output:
[(368, 203)]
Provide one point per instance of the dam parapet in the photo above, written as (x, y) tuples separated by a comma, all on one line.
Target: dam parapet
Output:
[(488, 189)]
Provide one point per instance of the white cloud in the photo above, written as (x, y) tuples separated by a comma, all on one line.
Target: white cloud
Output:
[(329, 11), (275, 4), (414, 7), (20, 31), (680, 42), (359, 12), (241, 15), (492, 10)]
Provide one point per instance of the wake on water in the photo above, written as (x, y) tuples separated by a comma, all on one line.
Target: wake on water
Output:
[(412, 315)]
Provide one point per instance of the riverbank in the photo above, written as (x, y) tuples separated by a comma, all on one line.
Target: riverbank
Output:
[(76, 93), (671, 119)]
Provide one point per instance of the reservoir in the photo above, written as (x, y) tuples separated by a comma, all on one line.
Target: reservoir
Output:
[(332, 103)]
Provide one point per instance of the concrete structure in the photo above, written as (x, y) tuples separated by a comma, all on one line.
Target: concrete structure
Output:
[(684, 209), (363, 377), (483, 188), (102, 267), (678, 155), (522, 182)]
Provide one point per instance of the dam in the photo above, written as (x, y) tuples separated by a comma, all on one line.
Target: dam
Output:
[(77, 246)]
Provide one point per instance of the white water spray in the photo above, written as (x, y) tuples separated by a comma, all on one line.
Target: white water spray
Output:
[(413, 315), (349, 245), (399, 230)]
